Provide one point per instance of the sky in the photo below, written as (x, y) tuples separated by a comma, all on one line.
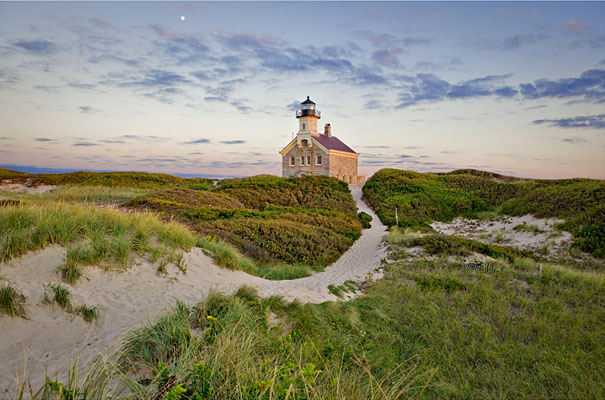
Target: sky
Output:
[(211, 88)]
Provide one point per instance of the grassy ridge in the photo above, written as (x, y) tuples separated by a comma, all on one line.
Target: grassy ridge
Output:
[(108, 179), (91, 235), (421, 198), (304, 221)]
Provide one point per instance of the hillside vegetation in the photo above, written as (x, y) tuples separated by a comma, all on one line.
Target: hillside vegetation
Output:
[(307, 221), (273, 227), (421, 198), (107, 179)]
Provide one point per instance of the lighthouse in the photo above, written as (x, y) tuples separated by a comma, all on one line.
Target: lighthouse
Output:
[(315, 153)]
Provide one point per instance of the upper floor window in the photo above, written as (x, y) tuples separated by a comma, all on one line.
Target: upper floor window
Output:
[(302, 160), (292, 161), (308, 160), (304, 126), (304, 143), (318, 159)]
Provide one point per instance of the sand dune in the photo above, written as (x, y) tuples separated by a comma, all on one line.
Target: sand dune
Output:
[(52, 338)]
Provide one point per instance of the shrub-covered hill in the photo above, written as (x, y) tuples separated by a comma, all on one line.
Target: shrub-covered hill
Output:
[(308, 220), (107, 179), (423, 197)]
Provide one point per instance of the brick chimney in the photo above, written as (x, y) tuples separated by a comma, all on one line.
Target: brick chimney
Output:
[(327, 130)]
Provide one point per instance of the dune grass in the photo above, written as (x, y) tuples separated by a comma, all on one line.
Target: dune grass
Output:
[(58, 294), (109, 179), (430, 329), (93, 236), (12, 301), (225, 348), (420, 198), (78, 194), (518, 329)]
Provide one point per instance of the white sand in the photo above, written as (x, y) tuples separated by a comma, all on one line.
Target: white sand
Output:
[(500, 231), (27, 187), (51, 338)]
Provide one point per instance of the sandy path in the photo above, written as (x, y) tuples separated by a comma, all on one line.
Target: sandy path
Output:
[(51, 338)]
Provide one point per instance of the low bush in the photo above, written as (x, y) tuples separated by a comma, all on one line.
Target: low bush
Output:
[(416, 199)]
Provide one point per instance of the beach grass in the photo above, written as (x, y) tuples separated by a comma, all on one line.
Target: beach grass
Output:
[(12, 301), (413, 199)]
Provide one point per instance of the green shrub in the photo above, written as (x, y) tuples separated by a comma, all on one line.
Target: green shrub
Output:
[(419, 199), (365, 219)]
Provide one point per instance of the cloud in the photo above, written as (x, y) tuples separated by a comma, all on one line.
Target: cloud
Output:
[(37, 47), (79, 85), (198, 141), (88, 109), (233, 142), (573, 140), (590, 85), (142, 138), (294, 106), (373, 105), (45, 140), (589, 121), (574, 27), (6, 138), (155, 78), (85, 144), (515, 42), (111, 141), (537, 107), (386, 58), (430, 88)]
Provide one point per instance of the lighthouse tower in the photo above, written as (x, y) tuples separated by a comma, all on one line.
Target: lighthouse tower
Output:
[(307, 121), (314, 153)]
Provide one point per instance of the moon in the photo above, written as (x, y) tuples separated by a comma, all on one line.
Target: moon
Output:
[(182, 17)]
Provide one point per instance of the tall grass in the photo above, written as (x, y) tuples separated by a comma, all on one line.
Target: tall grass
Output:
[(11, 301), (79, 194), (92, 235), (224, 348), (523, 329)]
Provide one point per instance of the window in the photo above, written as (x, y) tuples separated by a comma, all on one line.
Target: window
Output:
[(304, 126), (318, 159), (302, 160), (308, 160), (292, 161), (304, 143)]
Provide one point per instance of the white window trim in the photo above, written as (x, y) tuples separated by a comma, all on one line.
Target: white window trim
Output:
[(318, 159), (292, 161)]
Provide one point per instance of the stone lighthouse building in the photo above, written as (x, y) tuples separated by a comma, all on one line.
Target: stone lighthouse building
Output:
[(314, 153)]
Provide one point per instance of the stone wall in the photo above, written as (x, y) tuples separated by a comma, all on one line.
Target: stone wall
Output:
[(343, 168), (298, 169)]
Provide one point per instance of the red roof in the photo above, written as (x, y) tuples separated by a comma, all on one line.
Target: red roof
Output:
[(333, 143)]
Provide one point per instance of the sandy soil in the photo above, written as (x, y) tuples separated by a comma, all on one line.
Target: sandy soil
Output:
[(51, 338), (27, 187), (500, 231)]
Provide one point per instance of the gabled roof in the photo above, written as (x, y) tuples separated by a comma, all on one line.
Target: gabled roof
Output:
[(333, 143), (326, 143)]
